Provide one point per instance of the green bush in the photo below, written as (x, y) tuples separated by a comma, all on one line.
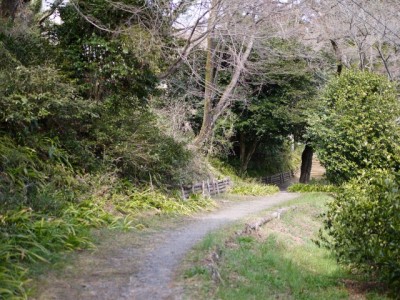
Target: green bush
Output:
[(131, 141), (363, 224), (37, 99), (356, 127)]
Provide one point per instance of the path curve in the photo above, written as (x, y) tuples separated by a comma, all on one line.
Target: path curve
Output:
[(147, 273)]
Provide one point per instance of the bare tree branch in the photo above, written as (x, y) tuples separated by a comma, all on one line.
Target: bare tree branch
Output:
[(48, 13)]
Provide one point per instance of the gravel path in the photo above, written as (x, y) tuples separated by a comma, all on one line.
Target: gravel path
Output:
[(145, 269)]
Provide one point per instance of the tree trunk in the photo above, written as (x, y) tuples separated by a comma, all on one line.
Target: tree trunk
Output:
[(306, 164), (211, 114), (339, 57), (245, 156), (8, 8), (208, 122), (242, 149)]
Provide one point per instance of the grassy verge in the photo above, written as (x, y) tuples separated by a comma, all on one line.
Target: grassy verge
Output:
[(32, 241), (244, 186), (251, 188), (280, 262), (313, 186), (39, 227)]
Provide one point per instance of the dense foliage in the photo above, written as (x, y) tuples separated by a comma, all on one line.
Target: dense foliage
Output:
[(363, 225), (278, 93), (357, 136), (78, 142), (356, 128)]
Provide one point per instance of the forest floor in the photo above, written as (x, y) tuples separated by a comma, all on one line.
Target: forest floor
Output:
[(143, 265)]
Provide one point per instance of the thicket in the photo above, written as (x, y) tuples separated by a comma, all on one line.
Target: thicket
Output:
[(357, 136), (356, 127), (271, 120), (79, 146), (48, 207), (363, 225)]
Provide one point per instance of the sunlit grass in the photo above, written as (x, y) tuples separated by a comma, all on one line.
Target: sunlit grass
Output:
[(281, 262), (252, 188)]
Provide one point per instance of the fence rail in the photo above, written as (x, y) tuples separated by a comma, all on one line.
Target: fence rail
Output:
[(206, 188), (278, 178)]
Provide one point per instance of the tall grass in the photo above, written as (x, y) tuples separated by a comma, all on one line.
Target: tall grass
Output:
[(253, 188), (313, 186), (243, 186), (28, 237), (46, 210), (47, 207)]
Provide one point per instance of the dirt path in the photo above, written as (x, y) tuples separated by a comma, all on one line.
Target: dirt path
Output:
[(128, 267)]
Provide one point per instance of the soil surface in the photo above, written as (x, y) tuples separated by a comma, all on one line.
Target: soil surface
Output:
[(132, 266)]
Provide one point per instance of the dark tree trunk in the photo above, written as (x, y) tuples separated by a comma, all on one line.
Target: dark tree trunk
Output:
[(242, 147), (306, 164), (8, 8), (339, 57), (246, 153)]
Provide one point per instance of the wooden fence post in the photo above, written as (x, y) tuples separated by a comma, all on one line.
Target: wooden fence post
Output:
[(183, 192), (151, 183)]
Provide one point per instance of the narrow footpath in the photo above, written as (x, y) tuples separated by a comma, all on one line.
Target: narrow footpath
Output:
[(145, 270)]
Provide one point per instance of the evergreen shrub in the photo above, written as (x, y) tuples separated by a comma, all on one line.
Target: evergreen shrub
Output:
[(363, 224)]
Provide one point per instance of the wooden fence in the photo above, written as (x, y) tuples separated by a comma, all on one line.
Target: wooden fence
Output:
[(278, 178), (206, 188)]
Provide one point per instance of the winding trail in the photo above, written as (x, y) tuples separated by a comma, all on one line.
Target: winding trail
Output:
[(145, 270)]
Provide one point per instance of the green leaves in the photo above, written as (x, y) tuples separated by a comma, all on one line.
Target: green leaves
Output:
[(31, 95), (355, 128), (357, 137), (363, 224)]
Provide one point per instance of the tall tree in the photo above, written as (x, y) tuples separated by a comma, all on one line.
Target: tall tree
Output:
[(281, 91), (233, 30), (362, 33)]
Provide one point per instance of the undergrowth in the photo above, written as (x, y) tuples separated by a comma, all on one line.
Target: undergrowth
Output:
[(313, 186), (47, 207), (252, 188), (243, 186), (28, 237)]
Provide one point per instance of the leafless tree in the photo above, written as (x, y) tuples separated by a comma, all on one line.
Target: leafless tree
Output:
[(363, 33), (228, 32)]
